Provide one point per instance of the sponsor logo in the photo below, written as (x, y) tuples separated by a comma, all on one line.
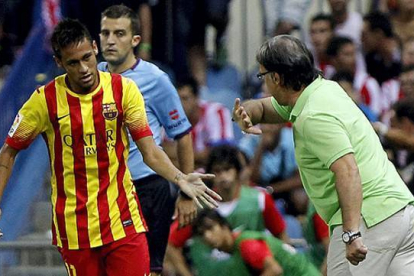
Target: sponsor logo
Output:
[(127, 223), (174, 115), (109, 111), (17, 120), (177, 123), (61, 117), (89, 141)]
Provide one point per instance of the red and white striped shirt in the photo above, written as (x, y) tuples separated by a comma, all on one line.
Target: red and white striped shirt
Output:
[(369, 91), (214, 126)]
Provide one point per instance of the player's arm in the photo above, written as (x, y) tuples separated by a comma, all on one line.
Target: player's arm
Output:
[(191, 184), (7, 157), (253, 112), (349, 189)]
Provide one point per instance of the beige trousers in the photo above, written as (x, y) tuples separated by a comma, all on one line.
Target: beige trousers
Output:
[(390, 248)]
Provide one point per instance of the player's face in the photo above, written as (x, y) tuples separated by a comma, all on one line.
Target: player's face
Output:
[(226, 177), (321, 33), (79, 62), (117, 41)]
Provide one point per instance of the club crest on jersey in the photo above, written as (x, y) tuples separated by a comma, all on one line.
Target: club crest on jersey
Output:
[(109, 111)]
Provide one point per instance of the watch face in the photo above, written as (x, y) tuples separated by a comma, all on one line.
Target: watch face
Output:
[(345, 237)]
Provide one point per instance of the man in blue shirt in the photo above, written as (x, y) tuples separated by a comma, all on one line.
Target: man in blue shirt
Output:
[(119, 39)]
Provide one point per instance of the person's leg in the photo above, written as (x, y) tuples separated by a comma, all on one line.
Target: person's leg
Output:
[(158, 204), (403, 262), (127, 257), (83, 262), (382, 241)]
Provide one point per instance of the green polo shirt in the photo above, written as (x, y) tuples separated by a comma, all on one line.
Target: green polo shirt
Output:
[(328, 125)]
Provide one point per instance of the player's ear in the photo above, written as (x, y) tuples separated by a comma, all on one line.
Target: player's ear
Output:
[(58, 61), (136, 39), (95, 47)]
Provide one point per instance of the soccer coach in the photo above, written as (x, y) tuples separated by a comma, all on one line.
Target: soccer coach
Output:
[(343, 167)]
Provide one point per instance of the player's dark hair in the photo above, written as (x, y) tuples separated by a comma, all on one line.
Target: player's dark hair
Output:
[(289, 57), (118, 11), (336, 44), (226, 156), (324, 17), (68, 32), (201, 224), (189, 81)]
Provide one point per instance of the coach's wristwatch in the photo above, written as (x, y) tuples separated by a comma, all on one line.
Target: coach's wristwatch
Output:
[(349, 237)]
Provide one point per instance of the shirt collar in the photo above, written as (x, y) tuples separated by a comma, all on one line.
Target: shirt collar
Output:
[(303, 98)]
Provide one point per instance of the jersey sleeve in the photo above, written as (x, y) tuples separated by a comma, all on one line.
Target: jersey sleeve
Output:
[(135, 116), (283, 111), (326, 138), (29, 122), (254, 253), (169, 110), (178, 237), (274, 221)]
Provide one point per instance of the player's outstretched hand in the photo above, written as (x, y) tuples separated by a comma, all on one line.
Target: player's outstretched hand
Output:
[(192, 185), (241, 117), (356, 251)]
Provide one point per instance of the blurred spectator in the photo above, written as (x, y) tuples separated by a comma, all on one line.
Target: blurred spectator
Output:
[(243, 206), (347, 23), (401, 136), (272, 163), (321, 31), (342, 52), (391, 89), (407, 49), (403, 20), (257, 252), (382, 53), (317, 236), (282, 16), (211, 121), (407, 82), (346, 81)]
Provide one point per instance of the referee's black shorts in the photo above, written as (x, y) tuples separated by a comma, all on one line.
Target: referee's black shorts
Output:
[(157, 197)]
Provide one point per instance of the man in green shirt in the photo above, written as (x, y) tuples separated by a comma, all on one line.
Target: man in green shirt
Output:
[(343, 167)]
